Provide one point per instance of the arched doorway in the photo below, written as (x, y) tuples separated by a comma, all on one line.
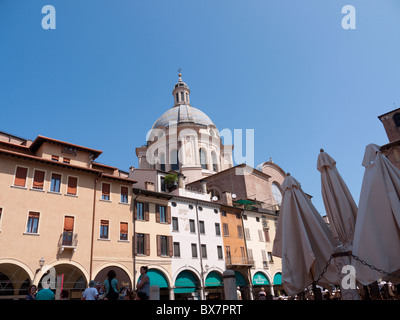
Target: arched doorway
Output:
[(123, 278), (260, 280), (67, 277), (278, 288), (187, 286), (14, 281), (214, 286), (243, 285), (157, 278)]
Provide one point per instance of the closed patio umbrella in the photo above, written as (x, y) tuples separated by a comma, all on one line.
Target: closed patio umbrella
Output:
[(377, 232), (341, 210), (338, 201), (303, 241)]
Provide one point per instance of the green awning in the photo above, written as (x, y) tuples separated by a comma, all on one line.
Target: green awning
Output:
[(157, 278), (244, 201), (278, 279), (214, 280), (240, 280), (260, 279), (186, 282)]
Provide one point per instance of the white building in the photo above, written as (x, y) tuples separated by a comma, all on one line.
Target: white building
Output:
[(198, 261)]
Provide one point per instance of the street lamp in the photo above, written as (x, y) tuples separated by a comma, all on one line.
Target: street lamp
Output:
[(41, 263)]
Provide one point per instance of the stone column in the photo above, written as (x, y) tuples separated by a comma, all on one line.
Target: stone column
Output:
[(230, 285), (154, 293)]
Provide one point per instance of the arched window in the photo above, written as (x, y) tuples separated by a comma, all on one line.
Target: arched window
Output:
[(182, 96), (396, 119), (276, 193), (174, 160), (214, 161), (177, 97), (203, 158)]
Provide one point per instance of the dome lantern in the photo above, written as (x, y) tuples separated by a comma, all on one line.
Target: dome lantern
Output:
[(181, 93)]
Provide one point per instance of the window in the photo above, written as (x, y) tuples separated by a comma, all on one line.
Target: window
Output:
[(240, 231), (203, 158), (201, 227), (264, 258), (182, 97), (228, 253), (72, 186), (192, 226), (194, 250), (217, 229), (247, 233), (226, 229), (33, 222), (163, 214), (55, 158), (67, 160), (276, 193), (162, 181), (38, 180), (177, 97), (175, 225), (123, 231), (270, 258), (139, 211), (55, 184), (204, 251), (177, 249), (243, 252), (105, 191), (214, 161), (162, 162), (164, 245), (174, 160), (219, 251), (20, 176), (223, 213), (124, 194), (68, 236), (260, 236), (142, 244), (266, 234), (396, 119), (104, 229)]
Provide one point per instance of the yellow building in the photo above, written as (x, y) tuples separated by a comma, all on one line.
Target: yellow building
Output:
[(63, 213)]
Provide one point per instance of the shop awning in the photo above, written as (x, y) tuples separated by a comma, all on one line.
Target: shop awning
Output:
[(260, 279), (214, 280), (278, 279), (157, 278), (186, 282), (240, 280)]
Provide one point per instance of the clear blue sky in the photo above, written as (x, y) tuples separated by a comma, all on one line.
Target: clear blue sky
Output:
[(284, 68)]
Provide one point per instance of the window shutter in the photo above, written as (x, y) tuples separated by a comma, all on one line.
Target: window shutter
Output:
[(157, 213), (266, 234), (68, 224), (158, 245), (168, 214), (72, 184), (38, 180), (124, 191), (147, 244), (146, 212), (170, 247), (106, 189), (20, 177)]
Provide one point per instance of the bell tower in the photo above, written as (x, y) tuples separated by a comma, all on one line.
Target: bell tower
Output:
[(181, 93)]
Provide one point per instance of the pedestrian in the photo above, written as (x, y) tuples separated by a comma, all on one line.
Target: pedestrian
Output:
[(91, 292), (143, 285), (262, 295), (31, 293), (64, 294), (238, 293), (111, 286), (45, 294)]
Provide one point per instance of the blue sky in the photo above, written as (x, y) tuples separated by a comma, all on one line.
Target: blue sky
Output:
[(286, 69)]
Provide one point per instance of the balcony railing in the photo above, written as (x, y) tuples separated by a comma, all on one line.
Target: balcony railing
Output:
[(239, 261), (68, 240)]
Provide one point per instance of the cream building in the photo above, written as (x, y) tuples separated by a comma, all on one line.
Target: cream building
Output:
[(61, 212)]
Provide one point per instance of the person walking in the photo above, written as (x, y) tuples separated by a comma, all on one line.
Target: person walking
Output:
[(262, 295), (91, 292), (31, 293), (143, 287), (111, 286)]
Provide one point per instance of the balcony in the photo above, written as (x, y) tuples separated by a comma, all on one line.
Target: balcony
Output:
[(239, 262), (68, 240)]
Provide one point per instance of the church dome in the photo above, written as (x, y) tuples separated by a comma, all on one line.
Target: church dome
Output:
[(181, 114)]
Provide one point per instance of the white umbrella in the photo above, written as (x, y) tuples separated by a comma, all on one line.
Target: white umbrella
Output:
[(377, 233), (339, 203), (341, 210), (303, 241)]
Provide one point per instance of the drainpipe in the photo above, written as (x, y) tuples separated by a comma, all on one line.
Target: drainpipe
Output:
[(201, 258), (134, 244), (247, 257), (96, 178)]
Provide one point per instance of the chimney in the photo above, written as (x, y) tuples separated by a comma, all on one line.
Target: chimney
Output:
[(203, 184), (227, 198), (181, 181), (149, 185)]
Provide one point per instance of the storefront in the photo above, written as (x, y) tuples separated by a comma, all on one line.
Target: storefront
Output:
[(157, 278), (260, 280), (214, 286), (187, 286)]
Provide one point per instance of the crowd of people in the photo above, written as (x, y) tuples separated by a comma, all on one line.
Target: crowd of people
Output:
[(108, 290)]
